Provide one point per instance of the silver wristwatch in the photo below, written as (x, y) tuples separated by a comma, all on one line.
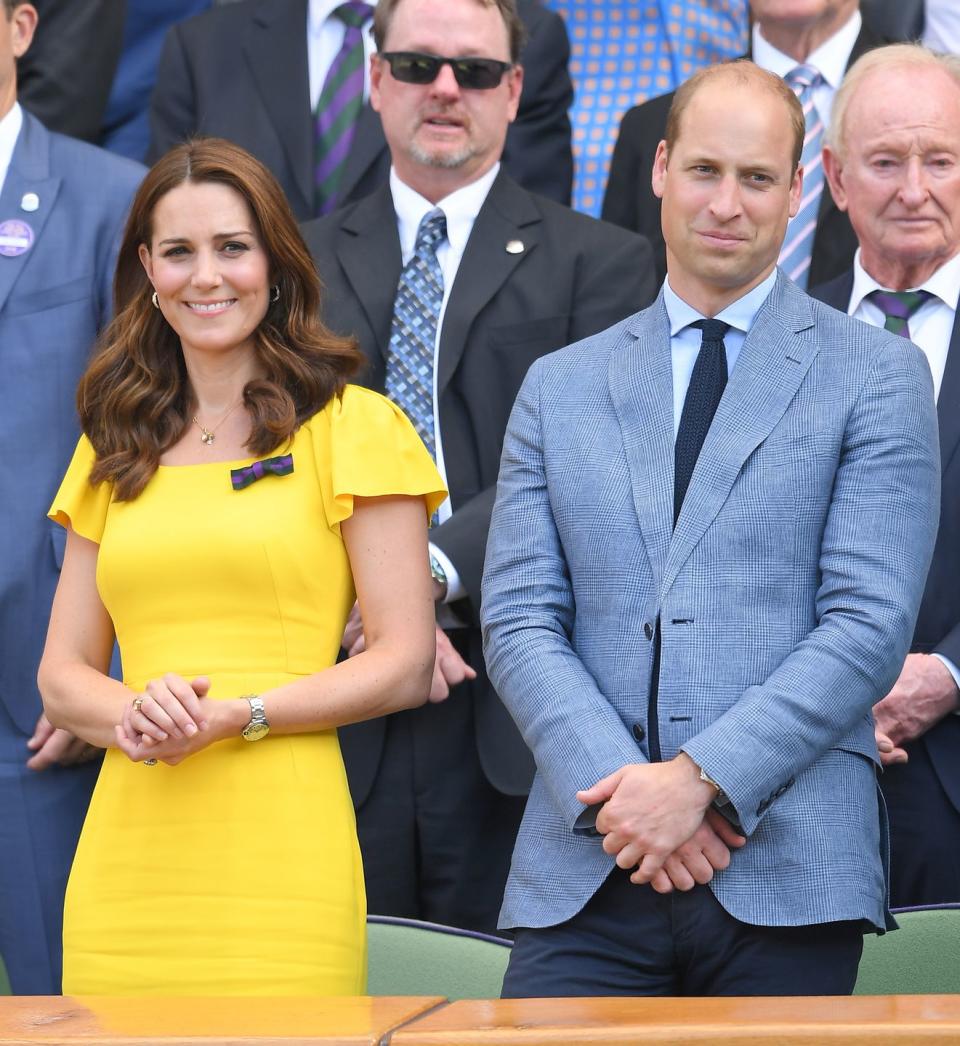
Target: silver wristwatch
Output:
[(258, 726)]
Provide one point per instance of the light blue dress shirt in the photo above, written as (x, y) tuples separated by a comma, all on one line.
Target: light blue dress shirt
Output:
[(685, 340)]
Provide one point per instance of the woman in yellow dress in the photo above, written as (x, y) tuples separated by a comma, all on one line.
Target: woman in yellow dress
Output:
[(230, 497)]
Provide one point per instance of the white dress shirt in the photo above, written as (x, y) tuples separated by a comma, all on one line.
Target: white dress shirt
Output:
[(941, 30), (829, 59), (460, 209), (9, 132), (325, 34), (931, 328)]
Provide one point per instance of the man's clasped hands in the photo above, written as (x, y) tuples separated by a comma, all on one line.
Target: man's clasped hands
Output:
[(657, 818)]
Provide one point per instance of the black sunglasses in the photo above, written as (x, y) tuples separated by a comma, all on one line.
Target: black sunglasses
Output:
[(479, 74)]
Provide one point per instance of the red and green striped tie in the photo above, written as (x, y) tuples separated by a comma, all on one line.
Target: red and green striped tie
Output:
[(339, 106)]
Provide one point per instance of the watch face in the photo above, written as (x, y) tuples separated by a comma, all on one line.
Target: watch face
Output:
[(254, 731)]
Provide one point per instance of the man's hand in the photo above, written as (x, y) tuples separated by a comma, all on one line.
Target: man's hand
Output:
[(649, 811), (920, 698), (352, 640), (50, 745), (706, 851), (448, 670), (890, 754)]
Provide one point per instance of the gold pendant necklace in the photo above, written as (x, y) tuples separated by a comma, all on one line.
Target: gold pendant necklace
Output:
[(209, 436)]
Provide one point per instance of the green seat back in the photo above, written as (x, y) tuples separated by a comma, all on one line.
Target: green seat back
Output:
[(405, 957), (4, 980), (921, 958)]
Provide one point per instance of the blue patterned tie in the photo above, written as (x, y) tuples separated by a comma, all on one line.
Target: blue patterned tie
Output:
[(413, 335), (707, 382), (798, 245), (898, 307)]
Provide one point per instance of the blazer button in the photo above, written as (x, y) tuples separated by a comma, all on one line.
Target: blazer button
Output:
[(638, 732), (647, 630)]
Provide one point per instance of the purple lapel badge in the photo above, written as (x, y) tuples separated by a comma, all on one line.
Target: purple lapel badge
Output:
[(16, 237)]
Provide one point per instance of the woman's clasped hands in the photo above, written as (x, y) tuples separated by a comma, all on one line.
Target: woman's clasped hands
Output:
[(169, 721)]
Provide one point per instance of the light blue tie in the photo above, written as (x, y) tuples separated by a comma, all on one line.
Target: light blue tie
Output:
[(798, 245), (413, 335)]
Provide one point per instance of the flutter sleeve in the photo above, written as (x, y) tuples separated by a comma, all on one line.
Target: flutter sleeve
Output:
[(375, 451), (78, 504)]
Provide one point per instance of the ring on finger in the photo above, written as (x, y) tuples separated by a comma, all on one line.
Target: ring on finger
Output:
[(137, 702), (150, 762)]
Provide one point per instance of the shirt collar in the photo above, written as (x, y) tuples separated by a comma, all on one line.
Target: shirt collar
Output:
[(319, 11), (460, 209), (829, 59), (740, 314), (9, 132), (943, 284)]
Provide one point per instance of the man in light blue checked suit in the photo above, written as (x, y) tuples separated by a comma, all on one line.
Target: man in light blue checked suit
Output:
[(712, 530)]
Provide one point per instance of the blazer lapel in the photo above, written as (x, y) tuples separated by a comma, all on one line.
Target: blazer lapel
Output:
[(641, 388), (949, 399), (29, 172), (507, 216), (275, 49), (769, 370), (365, 150), (368, 248)]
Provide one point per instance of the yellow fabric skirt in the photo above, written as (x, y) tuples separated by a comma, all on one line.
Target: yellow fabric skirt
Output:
[(236, 872)]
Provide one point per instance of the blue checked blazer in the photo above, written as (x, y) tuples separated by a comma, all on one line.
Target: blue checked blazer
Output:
[(786, 596)]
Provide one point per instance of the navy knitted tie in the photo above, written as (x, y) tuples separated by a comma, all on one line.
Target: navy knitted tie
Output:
[(706, 386)]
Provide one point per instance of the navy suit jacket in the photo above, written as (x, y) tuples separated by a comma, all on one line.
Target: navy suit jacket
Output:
[(53, 301), (574, 276), (240, 72), (938, 624)]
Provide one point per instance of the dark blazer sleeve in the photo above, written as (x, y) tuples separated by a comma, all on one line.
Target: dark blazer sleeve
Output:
[(65, 77), (615, 279), (538, 152), (629, 200)]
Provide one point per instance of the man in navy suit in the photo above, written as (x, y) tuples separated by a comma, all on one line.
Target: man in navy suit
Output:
[(893, 161), (62, 206), (439, 792)]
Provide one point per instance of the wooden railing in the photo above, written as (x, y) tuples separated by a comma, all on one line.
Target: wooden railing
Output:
[(892, 1020)]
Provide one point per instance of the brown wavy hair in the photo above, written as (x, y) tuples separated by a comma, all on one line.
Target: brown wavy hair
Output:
[(135, 398)]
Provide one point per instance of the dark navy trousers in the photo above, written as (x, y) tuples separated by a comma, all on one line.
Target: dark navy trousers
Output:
[(630, 940)]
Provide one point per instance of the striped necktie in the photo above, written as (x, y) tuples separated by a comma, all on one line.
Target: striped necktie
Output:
[(339, 106), (798, 245), (413, 334), (898, 307)]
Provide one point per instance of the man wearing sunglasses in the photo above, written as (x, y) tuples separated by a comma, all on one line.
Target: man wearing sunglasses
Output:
[(509, 276), (271, 75)]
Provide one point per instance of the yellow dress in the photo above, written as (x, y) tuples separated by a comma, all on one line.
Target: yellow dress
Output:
[(236, 872)]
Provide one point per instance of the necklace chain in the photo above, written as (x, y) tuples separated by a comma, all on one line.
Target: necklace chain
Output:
[(208, 436)]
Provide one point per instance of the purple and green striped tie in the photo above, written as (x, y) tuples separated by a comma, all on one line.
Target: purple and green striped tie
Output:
[(898, 307), (339, 106), (798, 244)]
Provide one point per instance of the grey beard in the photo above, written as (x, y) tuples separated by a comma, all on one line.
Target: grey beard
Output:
[(447, 160)]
